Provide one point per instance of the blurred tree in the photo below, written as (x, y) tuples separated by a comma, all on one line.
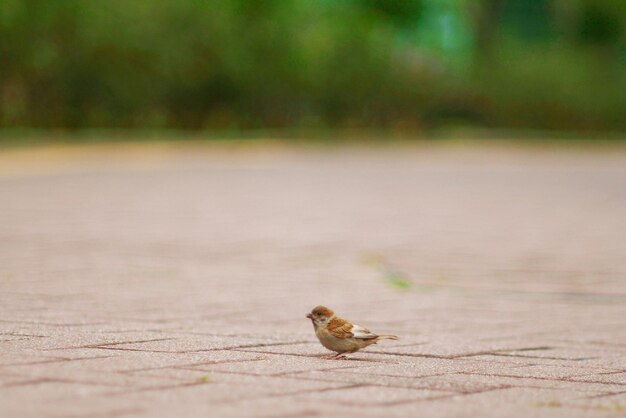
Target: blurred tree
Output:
[(528, 19), (486, 16), (401, 13), (602, 23), (370, 63)]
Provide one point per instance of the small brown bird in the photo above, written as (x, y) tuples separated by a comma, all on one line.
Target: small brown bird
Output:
[(339, 335)]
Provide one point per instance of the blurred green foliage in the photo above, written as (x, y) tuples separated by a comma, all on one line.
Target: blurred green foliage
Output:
[(237, 64)]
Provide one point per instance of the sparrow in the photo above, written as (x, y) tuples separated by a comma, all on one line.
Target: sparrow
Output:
[(339, 335)]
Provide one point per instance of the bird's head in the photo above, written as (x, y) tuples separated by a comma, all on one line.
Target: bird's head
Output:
[(320, 315)]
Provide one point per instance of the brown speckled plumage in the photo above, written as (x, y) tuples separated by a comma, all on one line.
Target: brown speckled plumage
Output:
[(339, 335)]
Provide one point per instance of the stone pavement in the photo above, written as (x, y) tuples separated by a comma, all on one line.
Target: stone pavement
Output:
[(173, 280)]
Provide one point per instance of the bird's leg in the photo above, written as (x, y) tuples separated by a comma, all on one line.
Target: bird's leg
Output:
[(339, 356), (335, 356)]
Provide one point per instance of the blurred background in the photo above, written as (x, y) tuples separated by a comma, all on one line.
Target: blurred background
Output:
[(408, 65)]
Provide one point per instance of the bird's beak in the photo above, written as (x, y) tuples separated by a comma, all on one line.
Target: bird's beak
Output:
[(309, 316)]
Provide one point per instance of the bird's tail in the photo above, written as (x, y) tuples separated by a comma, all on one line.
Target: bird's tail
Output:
[(388, 337)]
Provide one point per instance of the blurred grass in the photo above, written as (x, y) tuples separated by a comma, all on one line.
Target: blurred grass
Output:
[(398, 282), (457, 136)]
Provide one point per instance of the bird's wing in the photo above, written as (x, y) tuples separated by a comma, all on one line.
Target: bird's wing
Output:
[(339, 328), (362, 333)]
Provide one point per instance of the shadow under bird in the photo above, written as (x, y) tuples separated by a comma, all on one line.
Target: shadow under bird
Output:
[(339, 335)]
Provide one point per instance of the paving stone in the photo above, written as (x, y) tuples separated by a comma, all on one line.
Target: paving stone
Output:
[(157, 280)]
